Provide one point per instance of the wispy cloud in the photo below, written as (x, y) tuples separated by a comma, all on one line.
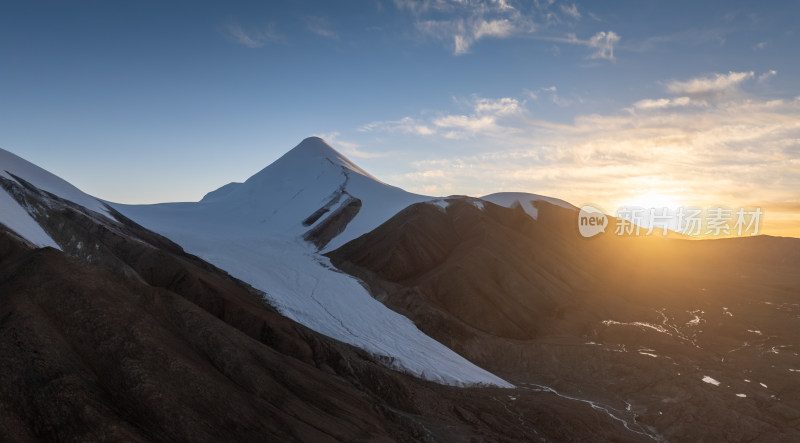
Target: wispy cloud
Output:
[(498, 107), (461, 23), (713, 85), (482, 119), (552, 92), (406, 125), (321, 26), (252, 38), (602, 43), (464, 32), (699, 91), (463, 126), (571, 11), (663, 103), (419, 7), (767, 75), (493, 28), (688, 37)]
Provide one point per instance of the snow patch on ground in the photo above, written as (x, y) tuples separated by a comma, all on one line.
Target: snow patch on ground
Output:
[(710, 380), (16, 218), (725, 311), (697, 319), (638, 324), (525, 200), (439, 203)]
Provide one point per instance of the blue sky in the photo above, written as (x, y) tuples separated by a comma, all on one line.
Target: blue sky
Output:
[(605, 102)]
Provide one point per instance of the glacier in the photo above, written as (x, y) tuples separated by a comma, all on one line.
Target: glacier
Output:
[(254, 230)]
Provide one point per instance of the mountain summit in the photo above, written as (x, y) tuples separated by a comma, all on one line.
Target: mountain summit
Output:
[(313, 154), (313, 191), (313, 148)]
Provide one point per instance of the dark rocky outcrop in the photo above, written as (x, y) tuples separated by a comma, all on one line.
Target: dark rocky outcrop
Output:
[(332, 225)]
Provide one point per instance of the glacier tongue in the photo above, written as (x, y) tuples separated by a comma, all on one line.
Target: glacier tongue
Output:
[(254, 230), (306, 288)]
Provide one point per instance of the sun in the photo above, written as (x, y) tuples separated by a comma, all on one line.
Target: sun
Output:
[(652, 200)]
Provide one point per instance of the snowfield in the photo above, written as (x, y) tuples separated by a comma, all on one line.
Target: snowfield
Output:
[(254, 230), (16, 218)]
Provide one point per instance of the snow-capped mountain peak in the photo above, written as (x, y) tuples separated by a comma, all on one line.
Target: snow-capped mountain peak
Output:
[(270, 231), (310, 151), (312, 191), (305, 162)]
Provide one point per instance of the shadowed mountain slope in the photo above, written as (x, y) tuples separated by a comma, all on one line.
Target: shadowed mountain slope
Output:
[(635, 323)]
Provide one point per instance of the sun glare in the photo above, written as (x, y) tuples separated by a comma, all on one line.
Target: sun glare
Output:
[(652, 200)]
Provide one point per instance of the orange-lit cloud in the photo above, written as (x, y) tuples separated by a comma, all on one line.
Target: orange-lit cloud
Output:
[(726, 149)]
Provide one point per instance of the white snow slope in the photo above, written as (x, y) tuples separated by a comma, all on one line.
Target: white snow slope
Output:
[(254, 231), (16, 218), (13, 216)]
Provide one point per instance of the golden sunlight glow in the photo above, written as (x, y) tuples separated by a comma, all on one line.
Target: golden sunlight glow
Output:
[(652, 200)]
